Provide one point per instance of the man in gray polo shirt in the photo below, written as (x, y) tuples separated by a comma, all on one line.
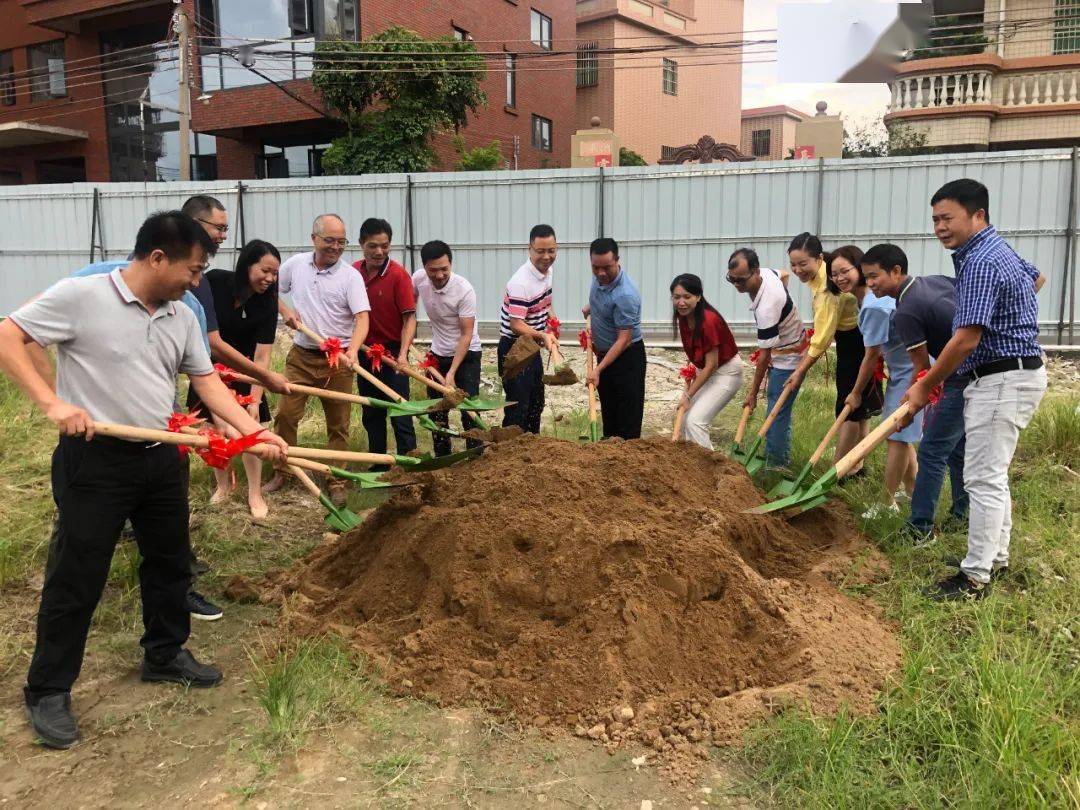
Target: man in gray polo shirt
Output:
[(121, 340)]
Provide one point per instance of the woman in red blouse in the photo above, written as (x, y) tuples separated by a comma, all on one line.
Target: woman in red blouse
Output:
[(710, 346)]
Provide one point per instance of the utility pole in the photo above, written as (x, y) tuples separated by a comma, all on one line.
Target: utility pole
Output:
[(182, 28)]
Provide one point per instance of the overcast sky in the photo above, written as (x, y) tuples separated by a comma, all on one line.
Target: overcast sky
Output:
[(856, 102)]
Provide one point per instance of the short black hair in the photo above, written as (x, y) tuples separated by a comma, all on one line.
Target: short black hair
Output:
[(886, 257), (604, 245), (435, 249), (808, 242), (174, 233), (752, 260), (970, 194), (200, 205), (541, 232), (373, 227)]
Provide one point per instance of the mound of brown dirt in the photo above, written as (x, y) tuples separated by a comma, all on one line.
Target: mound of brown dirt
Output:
[(615, 589)]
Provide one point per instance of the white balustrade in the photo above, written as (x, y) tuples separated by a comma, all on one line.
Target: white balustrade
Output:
[(1054, 87), (940, 90)]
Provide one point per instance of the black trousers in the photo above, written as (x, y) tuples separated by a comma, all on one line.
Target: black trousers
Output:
[(526, 389), (467, 378), (374, 419), (622, 393), (97, 486)]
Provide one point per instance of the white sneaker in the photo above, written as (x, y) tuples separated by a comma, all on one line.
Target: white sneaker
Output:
[(880, 510)]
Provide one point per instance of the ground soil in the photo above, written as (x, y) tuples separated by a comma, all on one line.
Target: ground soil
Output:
[(615, 590)]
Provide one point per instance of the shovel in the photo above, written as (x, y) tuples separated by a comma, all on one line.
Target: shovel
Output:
[(740, 431), (818, 492), (337, 517), (590, 362), (751, 460), (563, 374), (427, 462), (680, 415), (364, 480), (466, 405), (393, 408), (786, 487)]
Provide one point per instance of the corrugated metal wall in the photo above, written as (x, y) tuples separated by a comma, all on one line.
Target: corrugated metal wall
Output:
[(668, 220)]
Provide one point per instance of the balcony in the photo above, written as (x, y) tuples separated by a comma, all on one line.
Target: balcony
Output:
[(934, 91), (66, 15)]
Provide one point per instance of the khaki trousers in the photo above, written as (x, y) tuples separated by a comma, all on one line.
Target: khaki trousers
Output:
[(307, 367)]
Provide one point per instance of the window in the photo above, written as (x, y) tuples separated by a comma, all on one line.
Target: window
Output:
[(671, 77), (541, 133), (290, 161), (7, 78), (301, 17), (1067, 26), (47, 70), (461, 35), (511, 80), (761, 142), (338, 20), (588, 65), (541, 30)]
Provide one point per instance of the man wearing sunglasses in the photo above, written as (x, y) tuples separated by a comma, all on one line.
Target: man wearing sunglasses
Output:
[(329, 297)]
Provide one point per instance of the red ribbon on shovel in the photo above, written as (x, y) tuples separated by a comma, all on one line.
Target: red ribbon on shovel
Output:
[(429, 361), (227, 374), (376, 352), (221, 450), (554, 325), (935, 393), (332, 348), (689, 373), (583, 339), (879, 370)]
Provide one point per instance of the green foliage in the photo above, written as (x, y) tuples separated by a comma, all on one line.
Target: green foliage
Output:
[(628, 157), (394, 92), (871, 141), (481, 159), (952, 36)]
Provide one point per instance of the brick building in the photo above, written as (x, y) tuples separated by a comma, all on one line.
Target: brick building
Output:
[(86, 95), (768, 133), (666, 99)]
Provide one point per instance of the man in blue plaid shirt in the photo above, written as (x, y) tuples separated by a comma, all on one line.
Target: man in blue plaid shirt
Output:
[(996, 343)]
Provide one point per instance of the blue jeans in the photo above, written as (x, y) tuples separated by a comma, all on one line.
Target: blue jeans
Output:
[(778, 439), (942, 446)]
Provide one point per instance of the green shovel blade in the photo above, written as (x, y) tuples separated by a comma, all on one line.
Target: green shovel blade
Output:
[(594, 431), (814, 495), (480, 404), (787, 487), (406, 407), (438, 462), (365, 480), (746, 455), (339, 518), (428, 423)]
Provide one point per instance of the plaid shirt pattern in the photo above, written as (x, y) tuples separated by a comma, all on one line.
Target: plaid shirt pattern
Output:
[(995, 289)]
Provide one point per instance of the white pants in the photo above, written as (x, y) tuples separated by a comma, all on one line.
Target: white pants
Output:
[(996, 409), (717, 392)]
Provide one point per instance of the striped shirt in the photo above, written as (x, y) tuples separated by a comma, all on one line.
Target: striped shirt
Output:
[(528, 298), (995, 289), (779, 326)]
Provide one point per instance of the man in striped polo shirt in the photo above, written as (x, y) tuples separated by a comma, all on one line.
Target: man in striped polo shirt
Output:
[(526, 308), (995, 343)]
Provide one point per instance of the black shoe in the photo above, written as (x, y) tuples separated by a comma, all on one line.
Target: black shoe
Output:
[(995, 569), (199, 567), (918, 536), (183, 669), (202, 608), (957, 588), (53, 721)]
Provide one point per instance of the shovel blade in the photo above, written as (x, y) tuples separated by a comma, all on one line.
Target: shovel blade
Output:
[(427, 423), (438, 462), (480, 404), (803, 500), (746, 457), (365, 480), (786, 487), (338, 517)]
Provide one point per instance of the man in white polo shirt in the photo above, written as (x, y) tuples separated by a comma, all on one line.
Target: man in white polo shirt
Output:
[(450, 303), (121, 340), (329, 297)]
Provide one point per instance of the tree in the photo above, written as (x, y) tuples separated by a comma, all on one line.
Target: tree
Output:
[(628, 157), (869, 140), (481, 159), (394, 92)]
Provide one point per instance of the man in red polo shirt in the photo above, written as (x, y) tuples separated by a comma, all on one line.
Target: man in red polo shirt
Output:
[(393, 324)]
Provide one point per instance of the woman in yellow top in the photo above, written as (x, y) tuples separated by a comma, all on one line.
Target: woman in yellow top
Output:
[(836, 316)]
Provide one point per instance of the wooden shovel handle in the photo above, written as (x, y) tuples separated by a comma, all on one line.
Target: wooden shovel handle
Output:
[(883, 431), (844, 414), (433, 372), (556, 355), (680, 415), (305, 479), (367, 375), (416, 374), (744, 420), (590, 364), (775, 412), (311, 390)]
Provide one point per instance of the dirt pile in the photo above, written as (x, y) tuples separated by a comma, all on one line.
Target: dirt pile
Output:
[(614, 589)]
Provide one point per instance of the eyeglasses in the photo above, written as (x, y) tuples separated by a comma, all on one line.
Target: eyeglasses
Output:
[(329, 240), (222, 229), (734, 280)]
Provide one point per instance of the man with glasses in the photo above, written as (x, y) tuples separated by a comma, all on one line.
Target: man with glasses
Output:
[(781, 343), (328, 296)]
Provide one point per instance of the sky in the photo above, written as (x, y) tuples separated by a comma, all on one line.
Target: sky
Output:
[(857, 103)]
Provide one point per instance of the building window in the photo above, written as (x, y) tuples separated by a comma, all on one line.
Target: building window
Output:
[(7, 78), (461, 35), (541, 133), (511, 80), (761, 142), (301, 17), (588, 65), (541, 30), (46, 70), (1067, 26), (290, 161), (671, 77)]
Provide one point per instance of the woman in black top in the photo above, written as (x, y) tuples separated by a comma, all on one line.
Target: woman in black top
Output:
[(246, 304)]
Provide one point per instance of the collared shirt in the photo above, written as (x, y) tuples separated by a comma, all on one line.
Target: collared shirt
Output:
[(614, 307), (995, 289), (528, 298), (831, 312), (114, 358), (925, 308), (779, 326), (714, 334), (390, 294), (193, 303), (326, 300), (445, 308), (877, 322)]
